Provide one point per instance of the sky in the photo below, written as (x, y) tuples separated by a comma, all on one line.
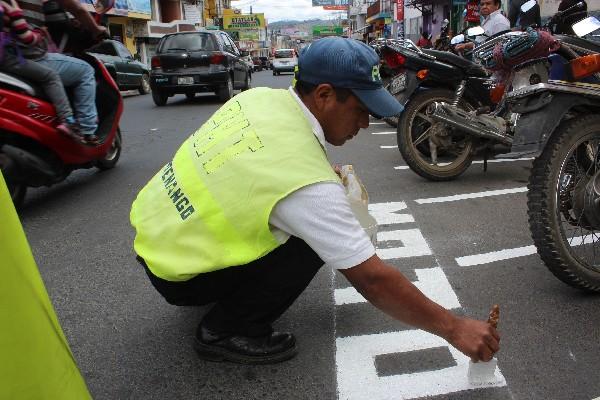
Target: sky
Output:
[(277, 10)]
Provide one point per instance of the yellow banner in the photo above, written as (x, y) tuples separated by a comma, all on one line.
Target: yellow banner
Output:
[(235, 22)]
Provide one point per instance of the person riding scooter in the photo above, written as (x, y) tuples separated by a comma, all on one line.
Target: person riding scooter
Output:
[(75, 73)]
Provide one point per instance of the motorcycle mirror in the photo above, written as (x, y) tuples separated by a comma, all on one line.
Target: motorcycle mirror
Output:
[(586, 26), (458, 39), (475, 31), (528, 5), (103, 6)]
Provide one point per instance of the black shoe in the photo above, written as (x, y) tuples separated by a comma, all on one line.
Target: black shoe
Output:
[(268, 349), (91, 140)]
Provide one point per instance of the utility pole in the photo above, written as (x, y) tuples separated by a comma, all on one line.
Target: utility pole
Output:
[(250, 9)]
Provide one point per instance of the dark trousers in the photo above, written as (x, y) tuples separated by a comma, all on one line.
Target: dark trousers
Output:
[(249, 298)]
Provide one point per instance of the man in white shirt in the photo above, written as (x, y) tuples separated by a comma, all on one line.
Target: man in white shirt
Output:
[(492, 21), (338, 86)]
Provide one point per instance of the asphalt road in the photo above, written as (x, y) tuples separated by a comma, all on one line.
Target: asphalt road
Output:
[(130, 344)]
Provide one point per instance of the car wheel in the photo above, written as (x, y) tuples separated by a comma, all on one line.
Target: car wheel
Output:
[(159, 97), (226, 92), (145, 84), (190, 96), (274, 73)]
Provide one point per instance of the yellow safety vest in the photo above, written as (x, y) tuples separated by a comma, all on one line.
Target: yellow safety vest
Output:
[(209, 208), (35, 360)]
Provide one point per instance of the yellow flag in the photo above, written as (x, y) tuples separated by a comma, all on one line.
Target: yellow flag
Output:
[(35, 359)]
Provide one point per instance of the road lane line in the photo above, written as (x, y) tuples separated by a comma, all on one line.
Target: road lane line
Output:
[(431, 281), (377, 123), (474, 195), (499, 160), (357, 372), (384, 133), (413, 244), (386, 213), (486, 258), (388, 147)]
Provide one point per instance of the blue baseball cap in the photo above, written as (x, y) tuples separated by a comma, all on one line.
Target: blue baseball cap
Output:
[(348, 64)]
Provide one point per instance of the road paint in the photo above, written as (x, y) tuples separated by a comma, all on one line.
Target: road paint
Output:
[(414, 244), (357, 375), (431, 281), (386, 213), (358, 379), (506, 254), (384, 133), (388, 147), (498, 160), (486, 258), (475, 195), (377, 123)]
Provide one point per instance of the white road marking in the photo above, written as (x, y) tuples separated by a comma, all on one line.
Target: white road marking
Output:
[(385, 213), (388, 147), (497, 160), (414, 244), (358, 379), (475, 195), (384, 133), (377, 123), (506, 254), (493, 256), (431, 281)]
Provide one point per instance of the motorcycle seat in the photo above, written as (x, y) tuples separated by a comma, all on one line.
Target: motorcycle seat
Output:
[(20, 85), (579, 42), (469, 67)]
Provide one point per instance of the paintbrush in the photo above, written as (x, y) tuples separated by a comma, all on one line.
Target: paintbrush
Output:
[(482, 373)]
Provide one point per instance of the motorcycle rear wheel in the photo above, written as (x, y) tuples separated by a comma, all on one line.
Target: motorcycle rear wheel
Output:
[(413, 127), (112, 156), (16, 190), (565, 239)]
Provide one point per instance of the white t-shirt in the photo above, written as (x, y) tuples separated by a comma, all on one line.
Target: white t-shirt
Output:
[(495, 22), (320, 215)]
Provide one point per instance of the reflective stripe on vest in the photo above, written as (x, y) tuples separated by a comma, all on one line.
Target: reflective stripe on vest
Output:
[(36, 360), (209, 208)]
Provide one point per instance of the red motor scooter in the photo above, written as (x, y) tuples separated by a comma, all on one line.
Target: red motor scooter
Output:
[(34, 153)]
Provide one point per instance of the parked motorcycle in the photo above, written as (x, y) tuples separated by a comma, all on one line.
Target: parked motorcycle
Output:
[(518, 59), (559, 125), (34, 153)]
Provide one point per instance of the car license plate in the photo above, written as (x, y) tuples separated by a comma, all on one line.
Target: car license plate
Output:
[(398, 84), (185, 80)]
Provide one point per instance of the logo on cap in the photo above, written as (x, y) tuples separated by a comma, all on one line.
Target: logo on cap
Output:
[(375, 74)]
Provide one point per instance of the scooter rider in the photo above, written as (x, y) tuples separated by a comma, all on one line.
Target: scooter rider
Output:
[(75, 73), (241, 217)]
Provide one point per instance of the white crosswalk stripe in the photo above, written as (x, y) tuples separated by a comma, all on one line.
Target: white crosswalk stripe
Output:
[(475, 195)]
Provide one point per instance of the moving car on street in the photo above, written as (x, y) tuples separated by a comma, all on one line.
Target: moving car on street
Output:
[(128, 73), (198, 61), (285, 60)]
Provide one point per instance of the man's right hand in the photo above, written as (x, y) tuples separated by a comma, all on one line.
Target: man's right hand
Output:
[(476, 339)]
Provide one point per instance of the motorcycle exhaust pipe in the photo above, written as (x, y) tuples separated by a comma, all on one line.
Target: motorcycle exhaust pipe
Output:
[(462, 121)]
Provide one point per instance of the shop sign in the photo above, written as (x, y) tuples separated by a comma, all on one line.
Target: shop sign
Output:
[(319, 30), (140, 6), (331, 3), (399, 10), (234, 22), (472, 12)]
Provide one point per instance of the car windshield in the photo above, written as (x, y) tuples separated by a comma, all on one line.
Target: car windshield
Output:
[(188, 42), (284, 54)]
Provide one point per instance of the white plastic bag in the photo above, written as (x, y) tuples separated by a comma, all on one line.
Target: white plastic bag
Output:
[(359, 201)]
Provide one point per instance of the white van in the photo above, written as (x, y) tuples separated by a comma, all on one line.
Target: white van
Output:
[(285, 60)]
